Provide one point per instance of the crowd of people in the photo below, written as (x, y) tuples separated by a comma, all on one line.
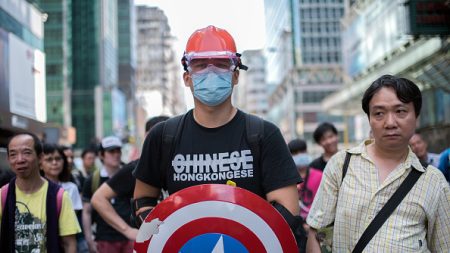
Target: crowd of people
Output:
[(53, 206)]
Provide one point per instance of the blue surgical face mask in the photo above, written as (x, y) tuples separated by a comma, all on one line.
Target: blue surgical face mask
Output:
[(212, 86), (302, 160)]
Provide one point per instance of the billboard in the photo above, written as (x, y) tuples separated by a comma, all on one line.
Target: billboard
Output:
[(26, 80), (4, 70), (429, 17)]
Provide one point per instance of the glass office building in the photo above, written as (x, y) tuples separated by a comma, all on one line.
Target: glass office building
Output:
[(58, 50), (95, 71)]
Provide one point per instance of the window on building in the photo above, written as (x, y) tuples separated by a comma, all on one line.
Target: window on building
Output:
[(310, 117)]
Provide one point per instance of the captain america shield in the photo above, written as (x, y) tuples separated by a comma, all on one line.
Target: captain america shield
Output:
[(214, 218)]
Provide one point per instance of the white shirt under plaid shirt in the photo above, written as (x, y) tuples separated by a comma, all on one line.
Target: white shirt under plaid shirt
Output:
[(421, 223)]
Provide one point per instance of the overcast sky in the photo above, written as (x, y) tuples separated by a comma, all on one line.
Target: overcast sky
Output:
[(243, 19)]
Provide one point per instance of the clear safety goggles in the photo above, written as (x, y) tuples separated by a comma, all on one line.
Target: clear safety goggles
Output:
[(197, 61), (216, 64), (210, 54)]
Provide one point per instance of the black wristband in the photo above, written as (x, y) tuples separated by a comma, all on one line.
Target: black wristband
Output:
[(143, 202), (137, 204)]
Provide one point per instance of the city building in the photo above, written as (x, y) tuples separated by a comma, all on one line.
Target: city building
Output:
[(158, 82), (22, 69), (58, 53), (98, 105), (409, 39), (251, 91), (127, 59), (304, 64)]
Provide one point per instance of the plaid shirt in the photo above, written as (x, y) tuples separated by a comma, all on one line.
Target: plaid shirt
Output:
[(421, 223)]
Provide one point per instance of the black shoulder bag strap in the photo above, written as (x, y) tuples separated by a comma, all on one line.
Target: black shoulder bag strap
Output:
[(345, 166), (53, 239), (344, 172), (171, 132), (254, 127), (387, 209)]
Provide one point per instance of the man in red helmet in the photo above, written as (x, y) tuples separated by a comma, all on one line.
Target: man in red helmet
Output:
[(211, 146)]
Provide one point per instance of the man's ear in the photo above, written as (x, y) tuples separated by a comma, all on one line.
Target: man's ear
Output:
[(235, 79), (187, 79)]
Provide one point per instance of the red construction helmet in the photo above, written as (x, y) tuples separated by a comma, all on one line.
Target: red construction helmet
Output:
[(211, 42)]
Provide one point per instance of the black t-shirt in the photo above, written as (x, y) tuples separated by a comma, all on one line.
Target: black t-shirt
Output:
[(105, 232), (122, 183), (318, 163), (215, 155)]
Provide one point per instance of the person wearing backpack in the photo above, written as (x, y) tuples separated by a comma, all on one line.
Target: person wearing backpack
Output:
[(120, 185), (378, 195), (311, 176), (54, 167), (215, 141), (36, 214), (106, 238)]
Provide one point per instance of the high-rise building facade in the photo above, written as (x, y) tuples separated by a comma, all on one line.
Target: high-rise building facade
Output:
[(58, 50), (403, 38), (127, 58), (98, 106), (279, 43), (311, 68), (251, 91), (320, 71), (158, 67)]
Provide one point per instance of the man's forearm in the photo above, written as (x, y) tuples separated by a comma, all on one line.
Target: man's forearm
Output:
[(287, 197), (87, 221), (103, 206), (142, 190), (312, 245)]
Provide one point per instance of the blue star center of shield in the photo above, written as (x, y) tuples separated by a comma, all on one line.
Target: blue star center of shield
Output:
[(213, 243)]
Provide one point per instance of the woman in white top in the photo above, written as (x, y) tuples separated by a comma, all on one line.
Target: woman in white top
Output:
[(54, 167)]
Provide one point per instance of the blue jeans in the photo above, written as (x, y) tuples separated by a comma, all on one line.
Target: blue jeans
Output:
[(82, 246)]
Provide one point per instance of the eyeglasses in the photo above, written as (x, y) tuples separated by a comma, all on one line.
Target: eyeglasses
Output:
[(52, 159)]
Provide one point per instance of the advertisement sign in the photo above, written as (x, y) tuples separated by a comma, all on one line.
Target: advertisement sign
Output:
[(4, 70), (26, 80), (429, 17), (213, 218)]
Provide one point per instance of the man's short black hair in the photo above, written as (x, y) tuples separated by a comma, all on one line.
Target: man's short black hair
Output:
[(406, 91), (322, 129), (297, 145), (153, 121), (37, 143), (88, 150)]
